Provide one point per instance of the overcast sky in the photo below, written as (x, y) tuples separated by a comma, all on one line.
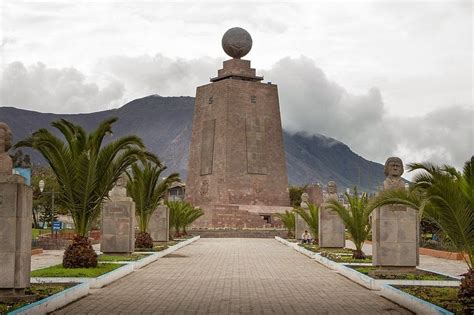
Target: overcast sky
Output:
[(385, 77)]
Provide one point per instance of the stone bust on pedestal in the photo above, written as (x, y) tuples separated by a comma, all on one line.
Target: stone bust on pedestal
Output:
[(331, 226), (394, 229), (6, 163)]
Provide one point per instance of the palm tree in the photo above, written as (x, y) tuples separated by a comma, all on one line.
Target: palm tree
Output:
[(147, 189), (356, 219), (182, 214), (311, 217), (86, 171), (190, 214), (288, 219), (446, 197)]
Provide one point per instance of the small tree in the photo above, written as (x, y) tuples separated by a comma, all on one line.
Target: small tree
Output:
[(356, 219), (288, 219), (311, 217), (147, 189), (182, 214)]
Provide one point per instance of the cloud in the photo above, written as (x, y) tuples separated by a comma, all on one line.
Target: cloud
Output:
[(145, 75), (310, 102), (65, 90)]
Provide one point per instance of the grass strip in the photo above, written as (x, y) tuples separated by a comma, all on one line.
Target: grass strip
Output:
[(60, 271), (418, 275), (114, 258), (445, 297)]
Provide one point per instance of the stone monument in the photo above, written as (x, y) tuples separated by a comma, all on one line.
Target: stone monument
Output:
[(118, 221), (300, 224), (159, 226), (237, 167), (394, 228), (331, 227), (16, 202)]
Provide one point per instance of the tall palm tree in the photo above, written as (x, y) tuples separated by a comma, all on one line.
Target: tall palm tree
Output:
[(147, 189), (356, 219), (311, 217), (288, 219), (446, 197), (86, 170)]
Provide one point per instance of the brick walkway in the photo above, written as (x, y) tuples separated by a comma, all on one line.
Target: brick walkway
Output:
[(222, 276)]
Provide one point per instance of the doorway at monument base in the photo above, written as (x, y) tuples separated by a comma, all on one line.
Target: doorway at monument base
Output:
[(239, 216)]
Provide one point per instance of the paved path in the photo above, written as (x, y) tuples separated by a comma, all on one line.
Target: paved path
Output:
[(222, 276)]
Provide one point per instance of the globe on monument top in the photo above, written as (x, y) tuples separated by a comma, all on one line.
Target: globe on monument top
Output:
[(236, 42)]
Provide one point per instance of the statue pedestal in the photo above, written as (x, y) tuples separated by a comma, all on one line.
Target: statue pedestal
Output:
[(331, 229), (395, 238), (159, 227), (301, 226), (16, 200), (118, 226)]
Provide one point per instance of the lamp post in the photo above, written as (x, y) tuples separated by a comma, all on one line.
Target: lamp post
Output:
[(41, 187)]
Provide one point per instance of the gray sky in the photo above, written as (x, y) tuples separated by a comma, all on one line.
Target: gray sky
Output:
[(384, 77)]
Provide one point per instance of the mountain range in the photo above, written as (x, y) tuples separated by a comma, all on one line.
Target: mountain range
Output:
[(165, 123)]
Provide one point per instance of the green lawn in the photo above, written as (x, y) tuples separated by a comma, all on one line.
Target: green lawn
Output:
[(445, 297), (132, 257), (418, 275), (41, 291), (60, 271)]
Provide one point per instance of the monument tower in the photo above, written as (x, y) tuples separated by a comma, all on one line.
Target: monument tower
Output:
[(237, 167)]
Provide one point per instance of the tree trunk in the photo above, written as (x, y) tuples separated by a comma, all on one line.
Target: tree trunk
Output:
[(80, 254), (143, 240), (358, 254), (466, 292)]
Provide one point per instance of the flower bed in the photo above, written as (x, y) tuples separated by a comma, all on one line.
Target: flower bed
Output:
[(39, 291), (344, 258), (419, 274), (445, 297)]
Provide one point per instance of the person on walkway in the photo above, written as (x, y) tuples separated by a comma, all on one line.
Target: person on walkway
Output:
[(306, 237)]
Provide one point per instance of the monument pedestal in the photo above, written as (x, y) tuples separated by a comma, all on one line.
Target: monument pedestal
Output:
[(118, 226), (159, 227), (15, 237), (331, 229)]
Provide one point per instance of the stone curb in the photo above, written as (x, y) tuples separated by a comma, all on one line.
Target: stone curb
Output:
[(411, 302), (55, 301)]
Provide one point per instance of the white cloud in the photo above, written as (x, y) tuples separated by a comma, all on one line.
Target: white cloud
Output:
[(65, 90)]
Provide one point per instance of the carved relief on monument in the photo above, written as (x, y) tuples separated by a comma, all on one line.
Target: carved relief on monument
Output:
[(207, 148), (255, 138)]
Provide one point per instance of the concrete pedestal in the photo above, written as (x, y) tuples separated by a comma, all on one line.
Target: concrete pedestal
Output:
[(159, 227), (118, 226), (395, 238), (15, 236), (331, 229)]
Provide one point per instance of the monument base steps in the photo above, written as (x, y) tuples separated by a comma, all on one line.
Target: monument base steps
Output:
[(392, 271)]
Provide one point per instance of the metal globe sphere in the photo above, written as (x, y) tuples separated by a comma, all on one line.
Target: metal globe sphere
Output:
[(236, 42)]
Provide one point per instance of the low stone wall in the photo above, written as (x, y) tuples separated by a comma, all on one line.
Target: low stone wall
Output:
[(239, 233)]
